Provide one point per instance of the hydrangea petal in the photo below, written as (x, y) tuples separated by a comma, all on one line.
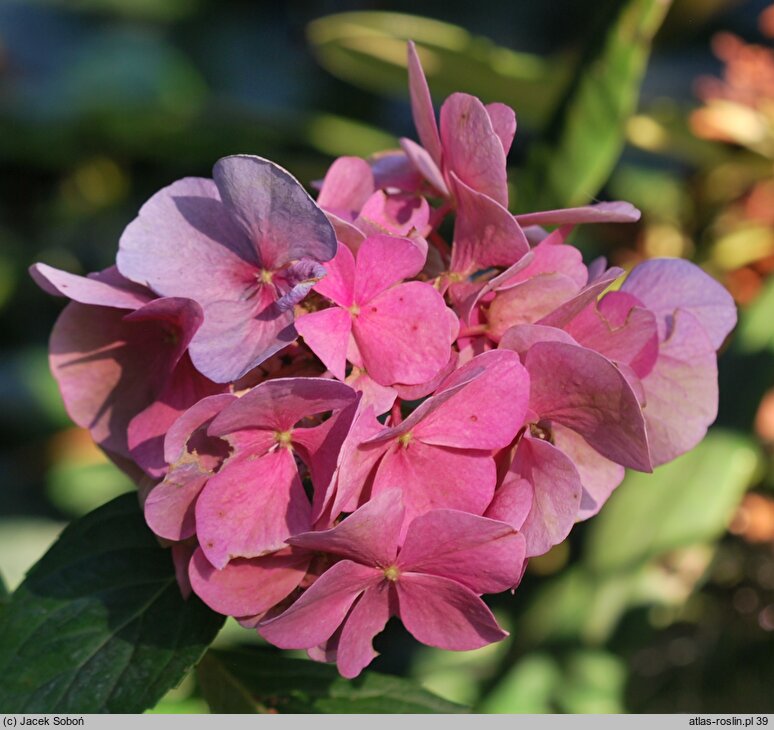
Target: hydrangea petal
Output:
[(106, 288), (471, 148), (445, 614), (584, 391), (283, 222), (503, 120), (247, 587), (368, 618), (422, 106), (314, 617), (665, 285), (169, 508), (616, 211), (398, 336), (383, 261), (348, 183), (682, 390), (424, 164), (369, 535), (250, 508), (327, 334), (482, 554)]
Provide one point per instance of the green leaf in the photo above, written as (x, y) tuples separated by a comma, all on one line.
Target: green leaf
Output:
[(99, 624), (257, 681), (688, 501), (585, 137), (527, 687), (368, 49), (755, 332)]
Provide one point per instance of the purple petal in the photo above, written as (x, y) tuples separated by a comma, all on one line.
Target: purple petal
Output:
[(106, 288), (282, 221), (665, 285)]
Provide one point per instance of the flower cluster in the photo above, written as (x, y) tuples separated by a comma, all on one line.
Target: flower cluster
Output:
[(336, 416)]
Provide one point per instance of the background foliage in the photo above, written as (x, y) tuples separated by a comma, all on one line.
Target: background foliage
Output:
[(665, 602)]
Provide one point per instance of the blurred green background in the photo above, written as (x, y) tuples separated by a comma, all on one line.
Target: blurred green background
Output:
[(665, 601)]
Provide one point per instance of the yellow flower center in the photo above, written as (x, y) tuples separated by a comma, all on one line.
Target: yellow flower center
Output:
[(405, 439), (266, 276), (284, 438), (354, 310), (391, 573)]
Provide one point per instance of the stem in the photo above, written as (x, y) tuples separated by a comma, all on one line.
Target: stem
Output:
[(396, 417)]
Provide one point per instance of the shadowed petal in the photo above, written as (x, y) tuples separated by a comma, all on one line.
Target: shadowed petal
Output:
[(443, 613), (616, 211), (106, 288)]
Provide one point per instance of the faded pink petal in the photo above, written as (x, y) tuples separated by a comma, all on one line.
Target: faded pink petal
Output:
[(250, 508), (503, 120), (482, 554), (422, 106), (314, 617), (425, 165), (369, 535), (396, 214), (617, 211), (584, 391), (368, 618), (176, 442), (277, 405), (556, 496), (247, 587), (682, 390), (106, 288), (665, 285), (443, 613), (485, 233), (471, 149), (348, 183), (521, 337), (169, 507)]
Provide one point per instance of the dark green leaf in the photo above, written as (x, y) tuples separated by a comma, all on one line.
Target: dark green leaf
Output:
[(258, 681), (586, 135), (99, 624)]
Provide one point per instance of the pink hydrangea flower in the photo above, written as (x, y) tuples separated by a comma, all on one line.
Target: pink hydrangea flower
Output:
[(432, 581)]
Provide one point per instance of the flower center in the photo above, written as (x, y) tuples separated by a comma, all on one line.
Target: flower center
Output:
[(405, 439), (541, 430), (354, 310), (284, 438), (265, 276), (391, 573)]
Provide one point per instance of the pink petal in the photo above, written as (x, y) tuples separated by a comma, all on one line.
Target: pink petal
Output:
[(181, 557), (279, 404), (282, 221), (368, 536), (347, 233), (528, 302), (106, 288), (482, 554), (398, 335), (424, 164), (393, 169), (665, 285), (443, 613), (247, 587), (383, 261), (619, 329), (110, 365), (471, 148), (512, 501), (415, 392), (314, 617), (338, 284), (422, 106), (396, 214), (169, 508), (368, 618), (475, 417), (348, 183), (327, 334), (521, 337), (147, 430), (380, 397), (485, 233), (599, 476), (556, 497), (682, 390), (250, 508), (198, 415), (435, 477), (584, 391), (503, 120), (617, 211), (552, 256)]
